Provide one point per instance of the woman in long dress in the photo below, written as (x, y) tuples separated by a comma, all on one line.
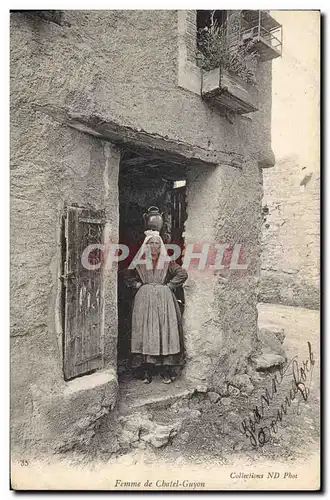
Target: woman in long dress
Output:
[(157, 334)]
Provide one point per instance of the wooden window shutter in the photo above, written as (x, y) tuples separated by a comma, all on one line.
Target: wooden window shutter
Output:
[(83, 293)]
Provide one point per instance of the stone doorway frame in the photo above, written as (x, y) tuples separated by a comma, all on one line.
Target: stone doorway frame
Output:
[(201, 162), (146, 174)]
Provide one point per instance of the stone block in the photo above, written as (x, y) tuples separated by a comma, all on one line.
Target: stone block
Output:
[(213, 396), (272, 352), (201, 388), (69, 417), (185, 437), (138, 427), (271, 341), (226, 401), (243, 383), (233, 391), (190, 413), (266, 361)]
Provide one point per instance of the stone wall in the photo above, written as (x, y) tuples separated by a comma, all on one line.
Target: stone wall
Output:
[(291, 230)]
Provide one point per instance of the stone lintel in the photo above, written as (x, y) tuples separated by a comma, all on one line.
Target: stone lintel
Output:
[(172, 150)]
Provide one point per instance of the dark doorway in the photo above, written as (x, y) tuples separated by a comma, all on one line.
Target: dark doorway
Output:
[(143, 182)]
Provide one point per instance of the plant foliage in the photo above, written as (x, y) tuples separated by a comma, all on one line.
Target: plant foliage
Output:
[(214, 50)]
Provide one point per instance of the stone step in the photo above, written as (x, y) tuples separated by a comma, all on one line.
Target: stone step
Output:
[(135, 395)]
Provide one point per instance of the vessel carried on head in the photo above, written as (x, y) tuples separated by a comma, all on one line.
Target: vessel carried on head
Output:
[(153, 219)]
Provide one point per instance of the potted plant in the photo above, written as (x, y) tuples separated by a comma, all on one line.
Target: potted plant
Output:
[(228, 68)]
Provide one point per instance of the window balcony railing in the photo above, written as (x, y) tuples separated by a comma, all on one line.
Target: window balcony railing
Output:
[(230, 49), (263, 32)]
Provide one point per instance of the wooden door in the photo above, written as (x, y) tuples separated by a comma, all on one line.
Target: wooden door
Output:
[(83, 292), (179, 216)]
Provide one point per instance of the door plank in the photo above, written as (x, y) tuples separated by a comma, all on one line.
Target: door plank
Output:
[(84, 294)]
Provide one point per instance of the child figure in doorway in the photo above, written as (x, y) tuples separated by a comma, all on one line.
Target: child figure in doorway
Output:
[(157, 335)]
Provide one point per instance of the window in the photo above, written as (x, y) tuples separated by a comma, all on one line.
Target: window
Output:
[(179, 184)]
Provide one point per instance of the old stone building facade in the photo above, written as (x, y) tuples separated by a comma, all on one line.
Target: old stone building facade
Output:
[(103, 104), (291, 232)]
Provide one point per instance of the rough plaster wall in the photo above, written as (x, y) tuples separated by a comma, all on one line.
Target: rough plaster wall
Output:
[(43, 177), (128, 73), (224, 206), (50, 165), (148, 96), (291, 233)]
